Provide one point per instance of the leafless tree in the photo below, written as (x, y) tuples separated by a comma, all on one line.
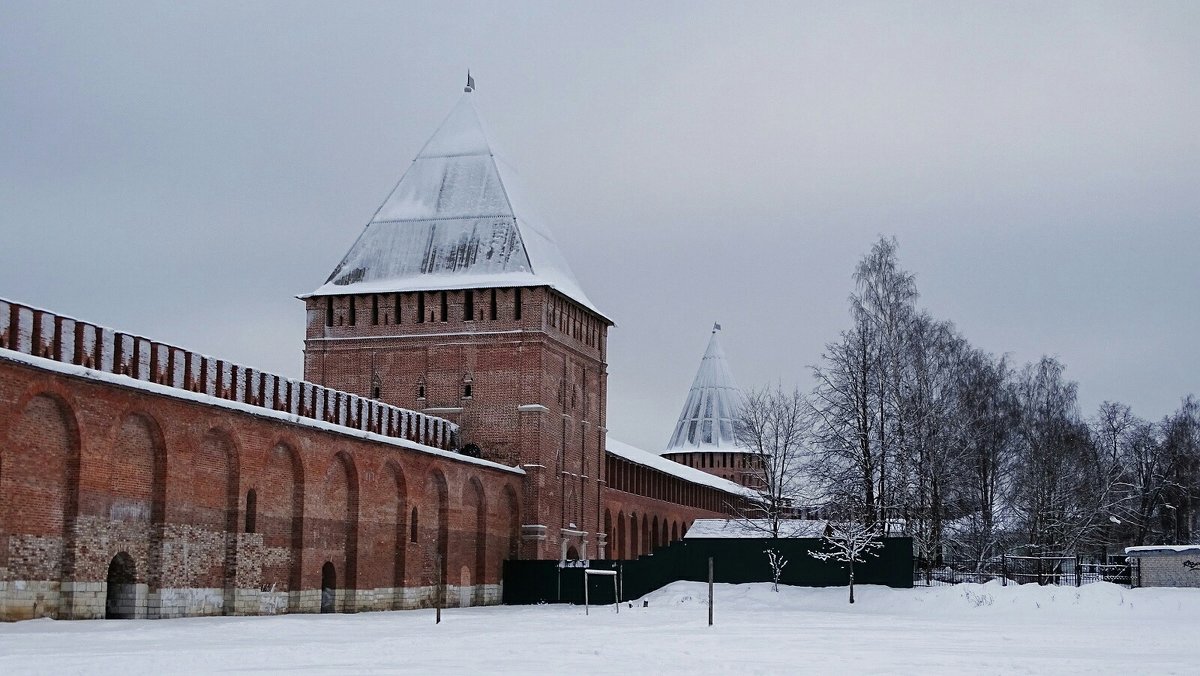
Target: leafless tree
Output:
[(773, 426), (858, 399), (850, 542), (988, 410), (777, 563)]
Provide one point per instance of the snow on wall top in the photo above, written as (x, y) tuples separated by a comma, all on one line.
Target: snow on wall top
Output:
[(1161, 549), (706, 421), (755, 528), (689, 474), (458, 218)]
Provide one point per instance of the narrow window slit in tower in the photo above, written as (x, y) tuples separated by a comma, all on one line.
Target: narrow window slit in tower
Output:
[(493, 310), (420, 307), (353, 316), (445, 307), (374, 310), (517, 304), (328, 310), (469, 305)]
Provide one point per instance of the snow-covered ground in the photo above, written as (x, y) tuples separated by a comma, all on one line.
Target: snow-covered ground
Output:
[(977, 629)]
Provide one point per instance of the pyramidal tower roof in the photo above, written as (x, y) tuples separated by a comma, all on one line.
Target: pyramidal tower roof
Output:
[(459, 218), (706, 422)]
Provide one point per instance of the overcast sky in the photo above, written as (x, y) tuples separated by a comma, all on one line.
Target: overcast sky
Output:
[(182, 171)]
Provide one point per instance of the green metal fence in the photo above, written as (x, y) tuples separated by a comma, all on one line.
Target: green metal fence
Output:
[(736, 560)]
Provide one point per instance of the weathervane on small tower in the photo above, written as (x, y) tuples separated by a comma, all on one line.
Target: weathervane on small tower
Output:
[(470, 83), (716, 327)]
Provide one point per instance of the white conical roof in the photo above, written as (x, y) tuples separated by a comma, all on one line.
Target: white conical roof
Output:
[(706, 422), (457, 219)]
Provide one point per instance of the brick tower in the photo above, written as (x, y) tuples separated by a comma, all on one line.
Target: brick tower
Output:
[(705, 435), (455, 300)]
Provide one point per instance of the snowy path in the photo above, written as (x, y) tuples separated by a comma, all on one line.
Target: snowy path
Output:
[(1099, 629)]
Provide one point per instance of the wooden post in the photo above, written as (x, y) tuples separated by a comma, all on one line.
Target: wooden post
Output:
[(710, 591), (1004, 570)]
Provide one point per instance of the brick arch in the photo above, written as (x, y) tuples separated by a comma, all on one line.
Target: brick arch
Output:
[(392, 531), (653, 542), (280, 498), (647, 535), (331, 526), (134, 504), (475, 506), (435, 540), (634, 539), (207, 490), (39, 471), (664, 539), (674, 531)]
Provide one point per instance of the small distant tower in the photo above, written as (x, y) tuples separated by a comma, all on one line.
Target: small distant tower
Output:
[(704, 436), (455, 300)]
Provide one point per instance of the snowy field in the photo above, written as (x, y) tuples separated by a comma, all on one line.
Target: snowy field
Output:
[(975, 629)]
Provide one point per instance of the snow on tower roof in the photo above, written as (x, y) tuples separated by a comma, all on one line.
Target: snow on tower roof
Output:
[(459, 218), (706, 421)]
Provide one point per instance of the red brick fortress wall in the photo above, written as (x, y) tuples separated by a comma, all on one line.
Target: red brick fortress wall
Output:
[(124, 495)]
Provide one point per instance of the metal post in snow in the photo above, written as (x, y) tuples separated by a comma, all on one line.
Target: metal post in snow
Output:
[(1078, 570), (710, 591), (585, 593), (1004, 570)]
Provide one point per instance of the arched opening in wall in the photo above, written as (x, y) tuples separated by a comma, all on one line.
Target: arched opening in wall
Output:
[(120, 599), (572, 553), (398, 540), (634, 548), (40, 466), (136, 503), (437, 543), (621, 548), (674, 531), (280, 521), (333, 527), (647, 537), (328, 588), (251, 510), (664, 540), (652, 541), (478, 501)]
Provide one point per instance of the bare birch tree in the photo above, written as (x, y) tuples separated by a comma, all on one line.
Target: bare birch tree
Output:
[(773, 426)]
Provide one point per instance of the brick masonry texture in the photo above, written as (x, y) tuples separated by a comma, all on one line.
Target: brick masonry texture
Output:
[(89, 471), (119, 500)]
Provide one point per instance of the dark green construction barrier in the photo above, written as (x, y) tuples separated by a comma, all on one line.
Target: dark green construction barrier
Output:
[(735, 560)]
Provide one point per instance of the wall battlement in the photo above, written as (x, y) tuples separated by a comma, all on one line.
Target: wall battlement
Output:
[(41, 333)]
